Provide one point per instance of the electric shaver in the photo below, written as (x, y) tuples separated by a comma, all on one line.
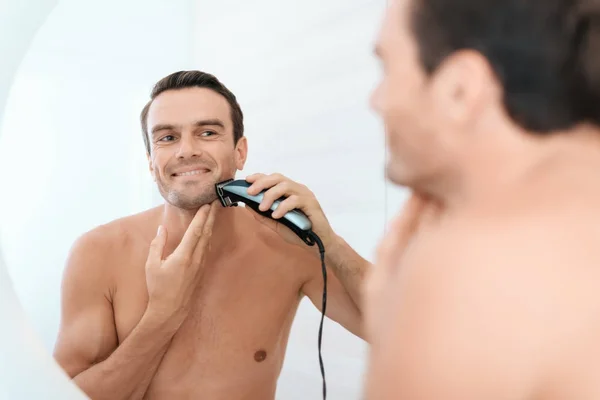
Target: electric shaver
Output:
[(231, 192)]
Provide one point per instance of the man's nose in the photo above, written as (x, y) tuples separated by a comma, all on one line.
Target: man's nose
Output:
[(188, 147)]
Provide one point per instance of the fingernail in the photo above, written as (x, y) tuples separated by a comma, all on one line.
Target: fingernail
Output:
[(159, 230)]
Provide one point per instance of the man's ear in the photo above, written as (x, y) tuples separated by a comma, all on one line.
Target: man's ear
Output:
[(241, 153), (151, 166), (461, 83)]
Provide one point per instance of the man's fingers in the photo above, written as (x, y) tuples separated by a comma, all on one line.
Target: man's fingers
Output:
[(262, 182), (287, 205), (252, 178), (206, 234), (194, 233), (254, 188), (275, 193), (157, 247)]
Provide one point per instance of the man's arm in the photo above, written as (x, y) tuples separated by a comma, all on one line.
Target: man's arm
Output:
[(87, 339), (87, 346), (349, 268), (345, 277)]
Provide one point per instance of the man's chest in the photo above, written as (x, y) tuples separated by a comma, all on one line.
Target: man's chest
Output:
[(236, 330), (238, 295)]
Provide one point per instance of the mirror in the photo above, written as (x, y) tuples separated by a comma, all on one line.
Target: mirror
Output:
[(302, 72), (22, 354)]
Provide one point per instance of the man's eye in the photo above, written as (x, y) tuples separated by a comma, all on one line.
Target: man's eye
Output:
[(167, 138), (208, 133)]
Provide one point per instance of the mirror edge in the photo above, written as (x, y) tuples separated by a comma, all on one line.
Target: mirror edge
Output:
[(22, 355)]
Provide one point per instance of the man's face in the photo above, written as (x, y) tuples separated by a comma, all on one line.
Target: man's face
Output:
[(192, 145), (406, 100)]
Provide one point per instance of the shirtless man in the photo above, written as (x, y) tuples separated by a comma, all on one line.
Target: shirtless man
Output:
[(487, 285), (203, 309)]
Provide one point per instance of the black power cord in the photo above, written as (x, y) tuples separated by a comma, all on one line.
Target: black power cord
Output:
[(319, 243)]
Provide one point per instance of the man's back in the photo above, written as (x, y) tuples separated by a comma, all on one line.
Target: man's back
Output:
[(233, 340)]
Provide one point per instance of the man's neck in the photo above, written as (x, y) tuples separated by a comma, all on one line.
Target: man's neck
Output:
[(176, 222), (506, 173)]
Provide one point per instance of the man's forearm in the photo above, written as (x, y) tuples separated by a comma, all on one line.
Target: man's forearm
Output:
[(127, 373), (349, 267)]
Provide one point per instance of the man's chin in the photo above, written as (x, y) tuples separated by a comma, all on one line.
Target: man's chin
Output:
[(396, 175), (405, 178), (191, 202)]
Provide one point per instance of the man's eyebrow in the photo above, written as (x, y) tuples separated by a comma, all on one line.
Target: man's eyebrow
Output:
[(210, 122), (162, 127)]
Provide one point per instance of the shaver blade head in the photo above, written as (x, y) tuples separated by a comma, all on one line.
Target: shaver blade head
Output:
[(223, 198)]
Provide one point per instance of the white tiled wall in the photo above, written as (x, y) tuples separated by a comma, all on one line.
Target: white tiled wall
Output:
[(303, 71)]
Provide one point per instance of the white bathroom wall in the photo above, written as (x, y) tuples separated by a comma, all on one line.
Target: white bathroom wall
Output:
[(71, 152), (303, 72)]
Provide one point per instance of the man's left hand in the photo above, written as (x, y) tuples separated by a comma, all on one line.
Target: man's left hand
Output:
[(299, 197)]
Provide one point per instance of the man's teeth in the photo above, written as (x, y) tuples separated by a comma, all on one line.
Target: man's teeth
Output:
[(197, 172)]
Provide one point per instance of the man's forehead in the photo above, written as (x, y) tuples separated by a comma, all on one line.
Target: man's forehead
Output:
[(392, 26), (189, 97), (397, 6), (188, 105)]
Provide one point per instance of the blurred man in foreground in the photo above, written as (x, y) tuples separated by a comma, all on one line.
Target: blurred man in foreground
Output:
[(486, 286)]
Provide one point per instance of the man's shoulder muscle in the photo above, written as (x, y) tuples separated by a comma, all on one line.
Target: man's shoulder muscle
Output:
[(116, 233), (100, 250), (482, 295), (100, 242)]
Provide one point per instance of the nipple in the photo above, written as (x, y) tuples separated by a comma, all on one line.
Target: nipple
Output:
[(260, 356)]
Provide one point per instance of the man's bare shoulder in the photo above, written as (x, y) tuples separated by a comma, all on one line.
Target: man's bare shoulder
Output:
[(531, 251), (513, 271), (116, 233), (264, 234), (101, 246), (512, 295), (546, 239), (268, 245)]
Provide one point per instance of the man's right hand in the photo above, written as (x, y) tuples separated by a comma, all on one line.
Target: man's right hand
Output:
[(172, 281)]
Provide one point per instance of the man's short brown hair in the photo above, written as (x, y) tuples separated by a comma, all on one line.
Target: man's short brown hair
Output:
[(545, 53)]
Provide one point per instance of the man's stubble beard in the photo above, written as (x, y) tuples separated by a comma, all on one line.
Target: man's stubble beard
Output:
[(205, 195)]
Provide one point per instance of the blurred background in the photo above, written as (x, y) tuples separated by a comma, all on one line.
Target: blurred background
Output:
[(72, 155)]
